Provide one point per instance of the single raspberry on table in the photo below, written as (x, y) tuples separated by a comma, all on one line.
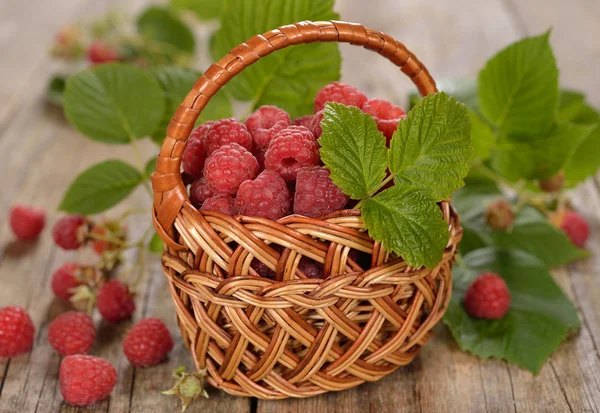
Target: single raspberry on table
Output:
[(229, 166), (341, 93), (310, 268), (264, 123), (316, 194), (575, 226), (487, 297), (84, 380), (115, 302), (65, 279), (315, 124), (16, 331), (225, 132), (386, 115), (200, 192), (72, 333), (554, 183), (147, 343), (267, 196), (102, 52), (499, 214), (27, 222), (70, 231), (303, 121), (193, 158), (290, 150), (224, 203)]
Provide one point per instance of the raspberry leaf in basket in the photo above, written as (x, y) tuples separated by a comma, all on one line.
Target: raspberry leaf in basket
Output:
[(408, 222), (539, 317), (432, 147), (353, 150)]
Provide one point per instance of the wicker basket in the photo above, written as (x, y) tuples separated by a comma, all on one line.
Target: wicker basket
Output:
[(292, 336)]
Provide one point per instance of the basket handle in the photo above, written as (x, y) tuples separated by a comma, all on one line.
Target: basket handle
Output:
[(169, 192)]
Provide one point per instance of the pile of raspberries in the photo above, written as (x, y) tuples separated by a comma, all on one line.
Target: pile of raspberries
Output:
[(270, 165)]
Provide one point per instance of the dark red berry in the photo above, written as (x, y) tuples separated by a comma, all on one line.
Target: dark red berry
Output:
[(228, 167), (576, 227), (72, 333), (101, 52), (115, 303), (267, 196), (264, 123), (65, 279), (147, 343), (386, 115), (200, 192), (16, 331), (487, 297), (225, 204), (290, 150), (341, 93), (70, 231), (316, 194), (84, 380), (303, 121), (27, 222), (225, 132)]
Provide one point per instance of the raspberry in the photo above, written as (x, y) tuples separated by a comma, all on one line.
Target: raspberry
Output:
[(487, 297), (303, 121), (316, 194), (576, 227), (499, 214), (72, 333), (260, 158), (65, 279), (262, 269), (16, 331), (225, 204), (194, 157), (200, 192), (84, 380), (228, 167), (386, 115), (69, 232), (264, 123), (225, 132), (310, 268), (341, 93), (26, 222), (315, 124), (201, 131), (554, 183), (115, 302), (147, 343), (290, 150), (101, 52), (267, 196)]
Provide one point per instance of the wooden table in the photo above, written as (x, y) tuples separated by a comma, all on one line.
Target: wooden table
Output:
[(40, 154)]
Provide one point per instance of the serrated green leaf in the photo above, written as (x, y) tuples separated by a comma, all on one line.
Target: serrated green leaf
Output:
[(56, 90), (156, 244), (518, 88), (291, 77), (432, 147), (408, 222), (150, 167), (541, 158), (162, 25), (353, 150), (114, 103), (482, 138), (204, 9), (463, 89), (100, 187), (538, 320)]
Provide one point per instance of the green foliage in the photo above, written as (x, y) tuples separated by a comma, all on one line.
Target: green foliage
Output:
[(150, 167), (156, 244), (56, 90), (539, 317), (204, 9), (163, 26)]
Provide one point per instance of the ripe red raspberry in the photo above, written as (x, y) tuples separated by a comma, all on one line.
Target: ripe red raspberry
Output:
[(225, 132), (315, 124), (386, 115), (26, 222), (16, 331), (194, 157), (228, 167), (72, 333), (65, 279), (84, 380), (303, 121), (264, 123), (69, 232), (267, 196), (575, 226), (487, 297), (200, 192), (201, 131), (554, 183), (147, 343), (499, 214), (115, 302), (290, 150), (225, 204), (341, 93), (101, 52), (316, 194), (310, 268)]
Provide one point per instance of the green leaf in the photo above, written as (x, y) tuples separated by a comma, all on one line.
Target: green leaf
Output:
[(573, 108), (156, 244), (432, 146), (56, 90), (291, 77), (204, 9), (100, 187), (353, 150), (176, 83), (541, 158), (162, 25), (150, 167), (463, 89), (538, 320), (114, 103), (408, 222), (482, 138), (518, 88)]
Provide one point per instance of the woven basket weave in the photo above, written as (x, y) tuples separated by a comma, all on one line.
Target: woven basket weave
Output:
[(291, 336)]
